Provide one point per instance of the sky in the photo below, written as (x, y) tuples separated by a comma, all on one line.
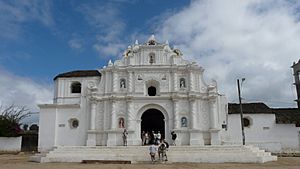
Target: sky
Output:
[(253, 39)]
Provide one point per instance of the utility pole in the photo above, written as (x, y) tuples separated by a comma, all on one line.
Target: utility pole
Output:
[(241, 109)]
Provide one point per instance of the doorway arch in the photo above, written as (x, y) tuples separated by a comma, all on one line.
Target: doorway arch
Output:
[(153, 120)]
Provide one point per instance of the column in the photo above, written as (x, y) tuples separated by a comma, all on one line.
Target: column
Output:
[(191, 80), (112, 135), (214, 129), (91, 137), (115, 81), (113, 119), (133, 127), (213, 113), (130, 82), (193, 114), (176, 114), (130, 116), (175, 81), (93, 115)]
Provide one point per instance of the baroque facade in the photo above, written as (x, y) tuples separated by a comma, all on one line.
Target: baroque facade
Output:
[(151, 88)]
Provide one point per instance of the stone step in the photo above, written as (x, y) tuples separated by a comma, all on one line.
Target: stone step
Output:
[(210, 154)]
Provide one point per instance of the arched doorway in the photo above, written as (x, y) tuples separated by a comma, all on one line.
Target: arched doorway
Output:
[(153, 120)]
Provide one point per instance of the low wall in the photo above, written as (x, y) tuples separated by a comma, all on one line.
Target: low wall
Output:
[(12, 144)]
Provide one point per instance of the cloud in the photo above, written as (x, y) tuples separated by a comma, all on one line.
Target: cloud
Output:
[(14, 13), (23, 91), (109, 26), (75, 43), (255, 39)]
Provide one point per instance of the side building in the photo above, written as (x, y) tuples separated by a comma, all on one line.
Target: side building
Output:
[(273, 129)]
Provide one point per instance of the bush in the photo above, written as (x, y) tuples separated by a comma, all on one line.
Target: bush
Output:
[(10, 118)]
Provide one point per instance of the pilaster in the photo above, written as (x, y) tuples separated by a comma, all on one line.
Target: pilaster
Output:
[(91, 137)]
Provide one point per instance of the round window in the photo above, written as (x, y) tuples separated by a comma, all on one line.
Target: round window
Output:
[(74, 123)]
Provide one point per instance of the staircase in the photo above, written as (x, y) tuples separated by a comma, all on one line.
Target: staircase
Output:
[(137, 154)]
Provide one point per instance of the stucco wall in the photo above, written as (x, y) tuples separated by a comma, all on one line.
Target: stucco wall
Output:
[(263, 132), (46, 129), (10, 144), (66, 135)]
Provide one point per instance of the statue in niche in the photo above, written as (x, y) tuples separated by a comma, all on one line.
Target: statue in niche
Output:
[(182, 83), (183, 122), (121, 123), (151, 60), (140, 77), (122, 84)]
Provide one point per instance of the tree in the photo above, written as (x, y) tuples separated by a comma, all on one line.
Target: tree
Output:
[(10, 118)]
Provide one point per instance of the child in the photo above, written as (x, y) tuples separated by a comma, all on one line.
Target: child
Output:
[(152, 150)]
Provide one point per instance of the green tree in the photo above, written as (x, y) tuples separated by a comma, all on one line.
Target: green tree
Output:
[(10, 118)]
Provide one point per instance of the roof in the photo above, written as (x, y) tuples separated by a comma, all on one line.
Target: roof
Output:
[(249, 108), (79, 73), (282, 115), (287, 116)]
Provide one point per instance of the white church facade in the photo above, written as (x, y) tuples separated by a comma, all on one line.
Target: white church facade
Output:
[(151, 88)]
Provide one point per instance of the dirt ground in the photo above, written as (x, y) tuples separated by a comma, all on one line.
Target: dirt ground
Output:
[(9, 161)]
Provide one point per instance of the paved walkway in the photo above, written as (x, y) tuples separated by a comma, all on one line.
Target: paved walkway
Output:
[(20, 162)]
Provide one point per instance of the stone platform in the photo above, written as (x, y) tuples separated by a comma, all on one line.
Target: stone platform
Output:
[(136, 154)]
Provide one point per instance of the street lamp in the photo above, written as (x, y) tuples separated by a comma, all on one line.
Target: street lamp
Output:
[(241, 108)]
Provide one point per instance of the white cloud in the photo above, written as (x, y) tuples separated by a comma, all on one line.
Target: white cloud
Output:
[(75, 43), (110, 49), (14, 13), (255, 39), (105, 18), (23, 91)]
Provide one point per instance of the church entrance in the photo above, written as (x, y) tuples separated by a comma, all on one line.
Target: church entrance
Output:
[(153, 120)]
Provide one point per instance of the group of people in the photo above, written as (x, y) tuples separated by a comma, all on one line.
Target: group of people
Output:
[(161, 148), (157, 144), (151, 137)]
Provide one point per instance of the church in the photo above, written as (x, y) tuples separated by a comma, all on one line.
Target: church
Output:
[(151, 88)]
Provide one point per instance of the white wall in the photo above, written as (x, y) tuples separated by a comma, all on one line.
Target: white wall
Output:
[(65, 134), (263, 132), (11, 144), (46, 128)]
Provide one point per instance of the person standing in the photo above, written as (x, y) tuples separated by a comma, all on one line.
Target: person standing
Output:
[(152, 151), (174, 136), (125, 134), (147, 138), (158, 135), (143, 138)]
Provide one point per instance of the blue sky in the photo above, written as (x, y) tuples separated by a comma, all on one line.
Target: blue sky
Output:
[(255, 39), (63, 39)]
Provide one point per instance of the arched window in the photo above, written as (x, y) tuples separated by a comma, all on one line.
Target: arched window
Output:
[(184, 122), (151, 58), (182, 83), (76, 87), (152, 91), (123, 83), (121, 122)]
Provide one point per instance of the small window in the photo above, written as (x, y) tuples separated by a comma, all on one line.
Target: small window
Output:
[(74, 123), (76, 87), (184, 122), (152, 91), (122, 83), (182, 83), (151, 58), (246, 122)]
